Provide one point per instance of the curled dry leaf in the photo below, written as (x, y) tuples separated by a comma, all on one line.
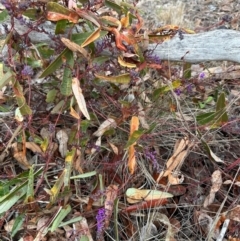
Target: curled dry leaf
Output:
[(20, 155), (77, 163), (33, 147), (231, 182), (114, 148), (175, 178), (75, 47), (216, 185), (74, 114), (170, 230), (62, 138), (77, 91), (106, 125), (216, 158), (181, 150), (123, 63), (135, 195)]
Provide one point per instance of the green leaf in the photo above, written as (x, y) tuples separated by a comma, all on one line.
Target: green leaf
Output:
[(56, 188), (33, 13), (9, 36), (119, 79), (56, 63), (5, 79), (62, 214), (45, 51), (30, 186), (136, 135), (66, 85), (158, 92), (12, 198), (221, 113), (114, 6), (85, 175), (116, 225), (4, 190), (79, 38), (17, 224), (58, 107), (68, 166), (51, 95), (151, 128), (61, 26), (187, 70), (57, 8), (34, 63), (84, 125), (3, 15), (205, 118), (101, 59), (73, 220)]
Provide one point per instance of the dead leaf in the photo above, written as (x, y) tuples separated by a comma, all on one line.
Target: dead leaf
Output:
[(114, 148), (94, 36), (77, 163), (125, 20), (181, 150), (135, 195), (215, 158), (131, 159), (53, 16), (74, 114), (231, 182), (216, 185), (20, 155), (111, 195), (134, 124), (77, 91), (62, 138), (75, 47), (33, 147), (106, 125)]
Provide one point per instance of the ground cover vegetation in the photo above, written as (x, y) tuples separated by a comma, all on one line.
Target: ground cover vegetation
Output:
[(101, 140)]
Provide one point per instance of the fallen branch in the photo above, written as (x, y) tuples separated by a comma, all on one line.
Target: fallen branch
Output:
[(217, 45)]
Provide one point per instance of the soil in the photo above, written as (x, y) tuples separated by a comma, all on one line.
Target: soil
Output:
[(198, 15)]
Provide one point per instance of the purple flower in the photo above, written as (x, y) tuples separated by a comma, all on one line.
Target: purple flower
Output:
[(189, 87), (100, 221), (177, 91), (27, 71), (202, 75), (151, 156)]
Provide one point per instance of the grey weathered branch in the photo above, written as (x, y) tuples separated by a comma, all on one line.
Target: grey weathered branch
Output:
[(222, 44)]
